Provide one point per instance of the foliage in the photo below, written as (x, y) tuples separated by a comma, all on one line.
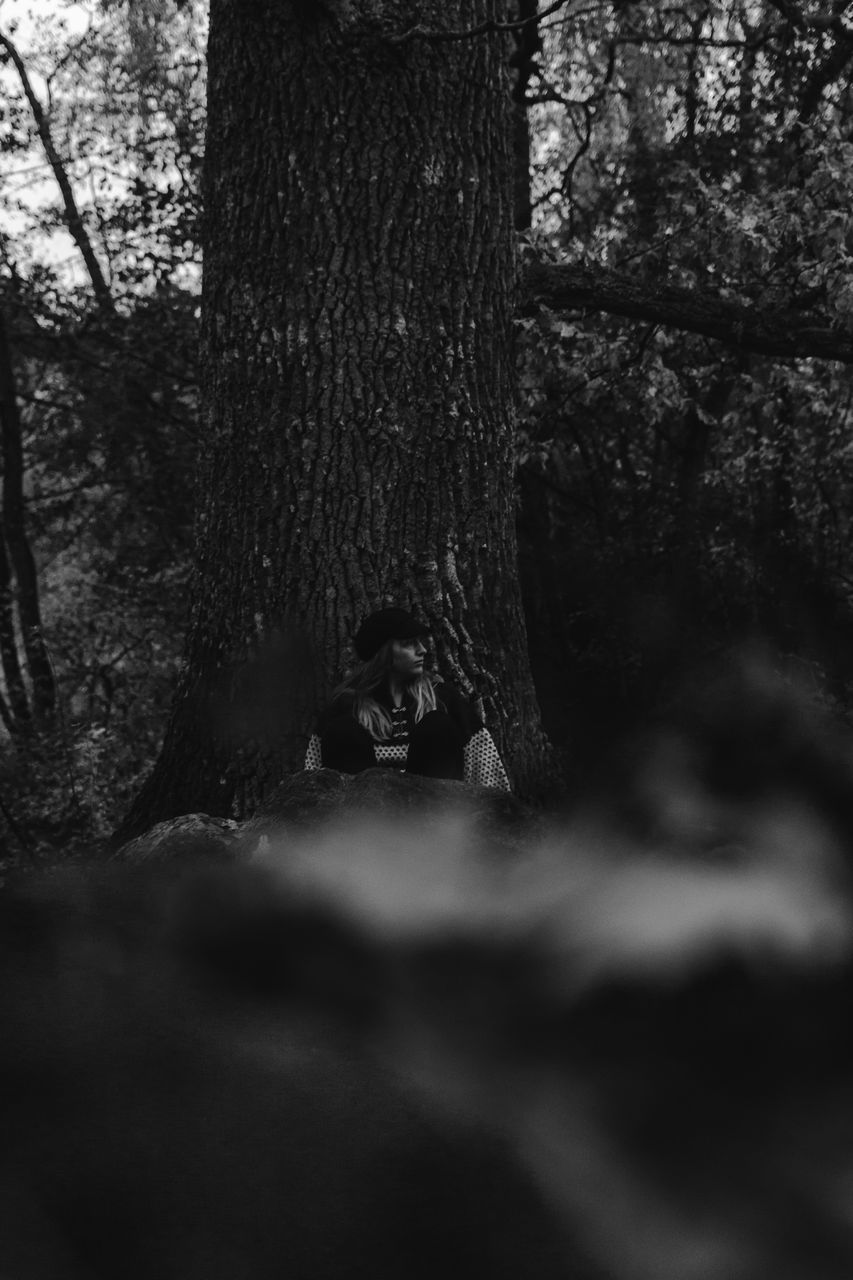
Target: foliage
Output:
[(123, 85), (689, 495), (106, 387)]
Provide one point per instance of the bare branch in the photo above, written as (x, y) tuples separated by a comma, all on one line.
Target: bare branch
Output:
[(632, 36), (791, 335), (419, 32), (71, 52)]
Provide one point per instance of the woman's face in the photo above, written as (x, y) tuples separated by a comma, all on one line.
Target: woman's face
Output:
[(407, 658)]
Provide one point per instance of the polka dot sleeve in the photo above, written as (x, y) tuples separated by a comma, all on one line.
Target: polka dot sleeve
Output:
[(483, 764), (314, 756)]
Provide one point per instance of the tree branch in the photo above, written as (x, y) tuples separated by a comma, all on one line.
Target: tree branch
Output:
[(73, 218), (787, 335), (419, 32)]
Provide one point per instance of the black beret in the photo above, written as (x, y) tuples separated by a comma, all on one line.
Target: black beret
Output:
[(386, 624)]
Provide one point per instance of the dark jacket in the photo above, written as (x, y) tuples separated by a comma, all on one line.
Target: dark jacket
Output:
[(450, 742)]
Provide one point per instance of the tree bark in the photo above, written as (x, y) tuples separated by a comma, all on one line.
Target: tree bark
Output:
[(743, 326), (359, 289)]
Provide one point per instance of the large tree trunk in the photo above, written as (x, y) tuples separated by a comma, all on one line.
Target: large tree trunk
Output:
[(358, 298)]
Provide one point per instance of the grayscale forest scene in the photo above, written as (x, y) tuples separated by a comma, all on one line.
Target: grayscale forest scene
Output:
[(426, 639)]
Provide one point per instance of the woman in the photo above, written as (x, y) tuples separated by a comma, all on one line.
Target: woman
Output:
[(390, 713)]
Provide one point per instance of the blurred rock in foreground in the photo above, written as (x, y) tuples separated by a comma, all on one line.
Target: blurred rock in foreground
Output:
[(191, 1088), (495, 818), (375, 1049)]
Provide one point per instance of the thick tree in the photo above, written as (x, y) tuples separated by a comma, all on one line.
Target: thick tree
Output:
[(359, 289)]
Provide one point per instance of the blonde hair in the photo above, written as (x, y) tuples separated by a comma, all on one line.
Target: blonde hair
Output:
[(361, 683)]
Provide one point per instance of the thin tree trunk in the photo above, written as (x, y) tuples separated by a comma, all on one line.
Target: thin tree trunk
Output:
[(14, 532), (528, 44), (17, 715), (746, 113), (691, 94), (358, 424)]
